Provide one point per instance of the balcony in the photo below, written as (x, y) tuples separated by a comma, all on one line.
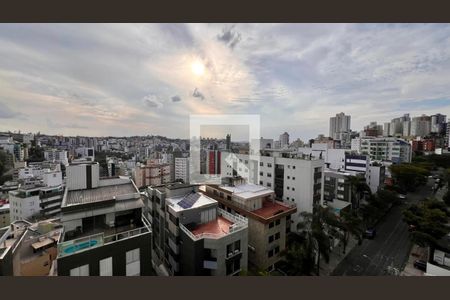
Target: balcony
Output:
[(89, 242)]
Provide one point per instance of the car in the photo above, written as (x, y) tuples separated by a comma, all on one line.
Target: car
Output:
[(370, 233), (421, 265)]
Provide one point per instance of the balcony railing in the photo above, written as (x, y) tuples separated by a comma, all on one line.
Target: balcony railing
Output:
[(96, 240)]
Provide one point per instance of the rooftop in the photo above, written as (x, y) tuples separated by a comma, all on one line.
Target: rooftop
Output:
[(190, 200), (217, 227), (247, 191), (270, 209), (108, 189)]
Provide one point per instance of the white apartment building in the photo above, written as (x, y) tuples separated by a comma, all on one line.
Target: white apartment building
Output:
[(54, 155), (295, 178), (384, 149), (85, 152), (182, 169), (339, 123)]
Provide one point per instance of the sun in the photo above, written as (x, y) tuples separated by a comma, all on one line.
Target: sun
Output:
[(198, 68)]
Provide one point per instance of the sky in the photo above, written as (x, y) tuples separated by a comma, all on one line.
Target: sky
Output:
[(139, 79)]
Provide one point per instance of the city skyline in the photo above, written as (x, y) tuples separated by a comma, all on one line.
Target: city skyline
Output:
[(122, 80)]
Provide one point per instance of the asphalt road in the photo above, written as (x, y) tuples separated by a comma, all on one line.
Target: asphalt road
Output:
[(390, 247)]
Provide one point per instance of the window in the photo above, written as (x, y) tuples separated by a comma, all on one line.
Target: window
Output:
[(293, 189), (261, 164), (289, 166), (260, 182), (288, 177), (293, 167), (106, 267), (269, 165), (277, 236), (237, 246), (277, 222), (287, 187), (229, 249), (277, 249), (269, 184), (246, 162), (133, 267), (271, 224), (80, 271), (287, 198), (270, 239), (293, 178), (269, 175), (261, 174), (270, 253)]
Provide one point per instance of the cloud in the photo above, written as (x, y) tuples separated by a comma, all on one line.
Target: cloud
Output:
[(198, 94), (176, 98), (56, 125), (229, 37), (7, 113), (152, 101)]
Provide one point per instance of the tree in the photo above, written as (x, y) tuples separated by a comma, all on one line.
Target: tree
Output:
[(316, 228), (408, 176), (429, 220), (350, 224), (446, 198), (358, 187)]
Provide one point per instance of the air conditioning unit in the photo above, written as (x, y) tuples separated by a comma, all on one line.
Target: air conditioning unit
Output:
[(236, 251)]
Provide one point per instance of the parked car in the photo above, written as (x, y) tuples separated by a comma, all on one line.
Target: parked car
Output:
[(421, 265), (370, 233)]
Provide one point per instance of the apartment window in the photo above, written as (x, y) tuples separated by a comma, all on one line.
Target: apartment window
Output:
[(269, 184), (270, 239), (277, 236), (237, 246), (229, 249), (261, 174), (269, 175), (270, 254), (293, 189), (289, 166), (293, 167), (287, 188), (288, 177), (269, 165), (261, 164), (260, 182), (80, 271), (106, 267), (293, 178), (287, 198), (271, 224), (133, 267), (277, 222), (277, 249)]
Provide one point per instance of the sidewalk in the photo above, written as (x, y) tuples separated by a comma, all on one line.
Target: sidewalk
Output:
[(416, 253), (336, 256)]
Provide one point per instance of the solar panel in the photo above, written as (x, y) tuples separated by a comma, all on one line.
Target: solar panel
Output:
[(189, 200)]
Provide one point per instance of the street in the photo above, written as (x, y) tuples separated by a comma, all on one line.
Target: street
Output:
[(390, 247)]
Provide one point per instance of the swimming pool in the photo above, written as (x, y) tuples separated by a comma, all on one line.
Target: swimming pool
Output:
[(80, 246)]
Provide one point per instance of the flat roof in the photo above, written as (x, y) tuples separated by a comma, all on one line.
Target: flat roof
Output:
[(189, 201), (270, 209), (219, 227), (247, 190), (99, 194)]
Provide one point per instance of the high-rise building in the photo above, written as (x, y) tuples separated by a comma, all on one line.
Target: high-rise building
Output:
[(447, 135), (193, 235), (105, 232), (268, 220), (182, 169), (438, 123), (295, 178), (284, 140), (421, 126), (406, 128), (153, 173), (386, 129), (228, 142), (54, 155), (338, 124), (384, 149), (213, 158)]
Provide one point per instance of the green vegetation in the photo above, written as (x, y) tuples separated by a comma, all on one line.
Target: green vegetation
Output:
[(36, 154), (409, 176), (428, 220)]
